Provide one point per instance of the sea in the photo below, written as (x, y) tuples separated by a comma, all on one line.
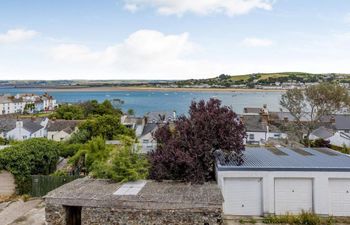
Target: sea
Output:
[(143, 102)]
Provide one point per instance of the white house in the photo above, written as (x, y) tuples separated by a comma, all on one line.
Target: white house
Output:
[(259, 130), (23, 129), (146, 141), (61, 130), (278, 181)]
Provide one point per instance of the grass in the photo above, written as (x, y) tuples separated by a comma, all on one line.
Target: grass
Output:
[(248, 220), (305, 218)]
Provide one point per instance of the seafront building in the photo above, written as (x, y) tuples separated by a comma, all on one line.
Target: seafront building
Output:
[(29, 103)]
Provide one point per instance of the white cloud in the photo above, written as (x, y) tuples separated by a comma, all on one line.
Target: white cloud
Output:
[(145, 52), (256, 42), (17, 35), (201, 7)]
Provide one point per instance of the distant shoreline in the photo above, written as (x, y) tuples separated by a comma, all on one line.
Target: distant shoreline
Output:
[(108, 89)]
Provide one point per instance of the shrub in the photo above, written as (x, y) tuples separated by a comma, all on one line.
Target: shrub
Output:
[(30, 157), (185, 149)]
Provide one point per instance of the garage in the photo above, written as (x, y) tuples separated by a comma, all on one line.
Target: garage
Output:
[(276, 180), (293, 195), (339, 197), (243, 196)]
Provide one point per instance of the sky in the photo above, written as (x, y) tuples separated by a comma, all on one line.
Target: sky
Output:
[(171, 39)]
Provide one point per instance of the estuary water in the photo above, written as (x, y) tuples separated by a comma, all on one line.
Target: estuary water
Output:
[(147, 101)]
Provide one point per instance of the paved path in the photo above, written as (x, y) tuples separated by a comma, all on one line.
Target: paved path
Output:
[(18, 211)]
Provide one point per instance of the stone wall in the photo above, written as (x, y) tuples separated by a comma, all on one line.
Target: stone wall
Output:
[(55, 215), (7, 184)]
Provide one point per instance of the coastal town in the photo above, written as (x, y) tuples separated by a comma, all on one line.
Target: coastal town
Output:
[(295, 156)]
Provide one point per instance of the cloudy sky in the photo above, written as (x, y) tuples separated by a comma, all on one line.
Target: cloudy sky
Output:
[(171, 39)]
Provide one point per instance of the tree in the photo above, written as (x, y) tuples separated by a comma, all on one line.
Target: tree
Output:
[(185, 149), (69, 112), (131, 112), (107, 126), (119, 163), (313, 104)]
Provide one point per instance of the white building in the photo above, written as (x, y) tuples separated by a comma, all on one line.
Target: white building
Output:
[(259, 131), (23, 129), (280, 181), (61, 130)]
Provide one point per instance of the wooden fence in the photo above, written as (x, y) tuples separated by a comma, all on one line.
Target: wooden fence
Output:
[(42, 184)]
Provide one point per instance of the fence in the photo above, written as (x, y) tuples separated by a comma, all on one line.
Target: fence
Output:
[(42, 184)]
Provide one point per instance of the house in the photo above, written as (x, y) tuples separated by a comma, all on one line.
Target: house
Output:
[(277, 180), (61, 130), (88, 201), (30, 103), (146, 140), (160, 117), (335, 129), (259, 130), (13, 129)]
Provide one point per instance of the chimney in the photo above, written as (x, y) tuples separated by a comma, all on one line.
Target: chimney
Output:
[(332, 119), (241, 118), (174, 115), (32, 118), (285, 119), (19, 124)]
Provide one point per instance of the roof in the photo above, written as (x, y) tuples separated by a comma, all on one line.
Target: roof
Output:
[(342, 121), (251, 110), (65, 125), (284, 159), (153, 195), (285, 115), (155, 117), (323, 133), (253, 123), (148, 128), (30, 125)]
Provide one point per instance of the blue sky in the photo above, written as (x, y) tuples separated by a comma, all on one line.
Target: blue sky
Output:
[(171, 39)]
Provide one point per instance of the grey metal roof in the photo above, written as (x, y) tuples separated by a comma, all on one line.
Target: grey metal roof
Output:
[(263, 159), (32, 126)]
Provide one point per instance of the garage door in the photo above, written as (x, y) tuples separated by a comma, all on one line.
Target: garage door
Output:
[(243, 196), (293, 195), (339, 197)]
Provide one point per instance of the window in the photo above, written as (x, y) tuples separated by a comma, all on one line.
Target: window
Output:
[(277, 135), (145, 141), (251, 136)]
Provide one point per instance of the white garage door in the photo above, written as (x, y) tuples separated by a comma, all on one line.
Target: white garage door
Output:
[(243, 196), (293, 195), (339, 197)]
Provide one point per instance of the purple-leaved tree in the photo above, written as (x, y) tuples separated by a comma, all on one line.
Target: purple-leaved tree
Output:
[(185, 149)]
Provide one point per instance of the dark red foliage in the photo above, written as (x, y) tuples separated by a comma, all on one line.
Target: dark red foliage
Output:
[(185, 149)]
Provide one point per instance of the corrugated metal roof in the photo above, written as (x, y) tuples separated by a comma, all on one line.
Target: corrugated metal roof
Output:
[(265, 160)]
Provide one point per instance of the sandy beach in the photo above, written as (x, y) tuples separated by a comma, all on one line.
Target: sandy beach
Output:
[(107, 89)]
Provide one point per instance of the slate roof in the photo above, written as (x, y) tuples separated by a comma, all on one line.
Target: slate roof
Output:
[(284, 159), (149, 127), (253, 124), (153, 195), (252, 110), (154, 117), (323, 132), (30, 125), (342, 121), (65, 125)]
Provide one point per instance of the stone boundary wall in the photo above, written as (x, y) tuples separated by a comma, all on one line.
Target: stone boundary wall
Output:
[(55, 215), (7, 184)]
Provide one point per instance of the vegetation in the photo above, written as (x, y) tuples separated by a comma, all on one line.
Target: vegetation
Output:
[(3, 141), (269, 79), (107, 126), (85, 110), (185, 150), (119, 163), (30, 157), (313, 103), (305, 218)]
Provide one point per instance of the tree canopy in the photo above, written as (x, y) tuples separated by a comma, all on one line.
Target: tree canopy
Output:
[(85, 110), (313, 103), (185, 149)]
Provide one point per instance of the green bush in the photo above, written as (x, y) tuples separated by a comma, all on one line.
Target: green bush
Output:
[(305, 218), (30, 157), (69, 150)]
